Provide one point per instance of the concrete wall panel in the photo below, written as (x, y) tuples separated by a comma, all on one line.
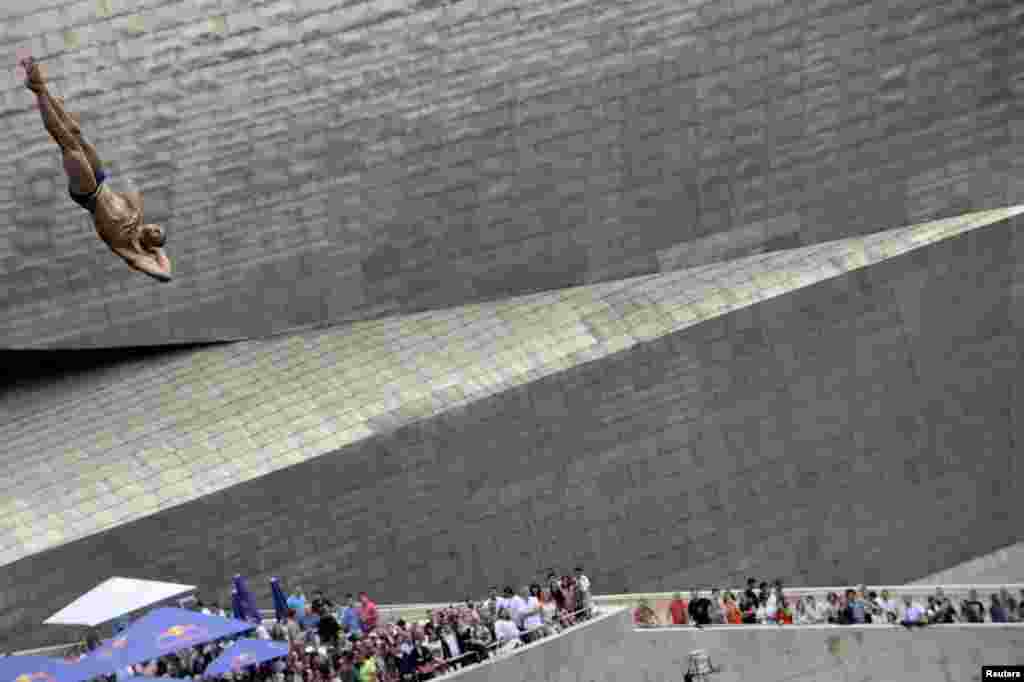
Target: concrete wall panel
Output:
[(319, 163), (757, 443)]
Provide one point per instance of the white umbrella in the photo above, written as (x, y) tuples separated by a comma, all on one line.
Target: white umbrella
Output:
[(115, 597)]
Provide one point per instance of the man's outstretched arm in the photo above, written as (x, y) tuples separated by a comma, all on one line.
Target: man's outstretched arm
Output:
[(157, 266)]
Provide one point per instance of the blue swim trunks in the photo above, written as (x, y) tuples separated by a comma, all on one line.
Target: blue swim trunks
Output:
[(88, 201)]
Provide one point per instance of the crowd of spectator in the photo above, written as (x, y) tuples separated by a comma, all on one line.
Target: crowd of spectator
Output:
[(346, 642), (764, 604)]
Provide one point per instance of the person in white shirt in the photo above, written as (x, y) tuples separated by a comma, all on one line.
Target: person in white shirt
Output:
[(771, 607), (532, 614), (583, 597), (517, 606), (505, 600), (505, 631), (809, 612), (888, 606)]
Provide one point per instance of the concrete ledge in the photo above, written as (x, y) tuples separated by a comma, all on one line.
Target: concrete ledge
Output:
[(864, 653), (555, 658)]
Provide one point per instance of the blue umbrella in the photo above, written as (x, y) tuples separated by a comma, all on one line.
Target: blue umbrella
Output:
[(158, 633), (246, 600), (245, 653), (280, 601), (40, 669)]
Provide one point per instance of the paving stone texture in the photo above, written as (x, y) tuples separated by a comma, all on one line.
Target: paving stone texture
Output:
[(322, 161), (830, 414)]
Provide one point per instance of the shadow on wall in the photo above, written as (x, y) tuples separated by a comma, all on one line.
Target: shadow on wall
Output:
[(24, 369)]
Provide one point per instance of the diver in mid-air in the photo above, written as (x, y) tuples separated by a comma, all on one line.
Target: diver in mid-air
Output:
[(117, 215)]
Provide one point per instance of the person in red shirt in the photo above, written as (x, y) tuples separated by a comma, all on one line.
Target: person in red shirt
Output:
[(367, 612), (677, 610)]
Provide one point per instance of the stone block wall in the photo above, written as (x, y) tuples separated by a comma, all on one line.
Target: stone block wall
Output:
[(317, 161), (860, 429)]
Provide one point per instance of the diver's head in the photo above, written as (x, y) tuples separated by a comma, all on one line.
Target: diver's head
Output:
[(152, 237)]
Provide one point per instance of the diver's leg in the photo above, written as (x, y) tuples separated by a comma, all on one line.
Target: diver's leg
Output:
[(77, 166), (76, 163), (73, 123)]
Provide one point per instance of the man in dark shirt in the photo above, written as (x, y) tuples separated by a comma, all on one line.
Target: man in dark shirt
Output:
[(699, 609), (328, 628), (749, 602), (972, 609)]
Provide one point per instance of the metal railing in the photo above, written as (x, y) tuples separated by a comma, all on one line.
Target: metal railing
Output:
[(409, 612), (446, 666)]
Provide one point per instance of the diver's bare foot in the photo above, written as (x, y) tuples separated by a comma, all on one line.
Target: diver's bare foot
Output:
[(35, 75)]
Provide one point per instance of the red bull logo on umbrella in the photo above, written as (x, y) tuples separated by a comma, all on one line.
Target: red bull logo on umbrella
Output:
[(180, 636), (35, 677), (115, 644), (242, 660)]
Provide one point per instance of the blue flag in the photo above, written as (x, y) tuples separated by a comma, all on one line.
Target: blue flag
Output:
[(280, 601)]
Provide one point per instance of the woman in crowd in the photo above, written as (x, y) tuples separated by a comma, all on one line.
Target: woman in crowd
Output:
[(549, 611), (732, 611), (783, 612), (555, 590), (801, 613), (761, 611), (832, 608), (875, 614), (569, 594), (644, 616), (716, 611), (972, 609)]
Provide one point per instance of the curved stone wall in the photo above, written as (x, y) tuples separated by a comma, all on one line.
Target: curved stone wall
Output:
[(854, 426), (318, 161)]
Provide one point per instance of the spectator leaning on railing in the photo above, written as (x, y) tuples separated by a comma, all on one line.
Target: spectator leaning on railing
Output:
[(699, 609), (677, 610), (506, 631), (972, 609), (913, 614), (732, 611), (644, 616), (583, 598)]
